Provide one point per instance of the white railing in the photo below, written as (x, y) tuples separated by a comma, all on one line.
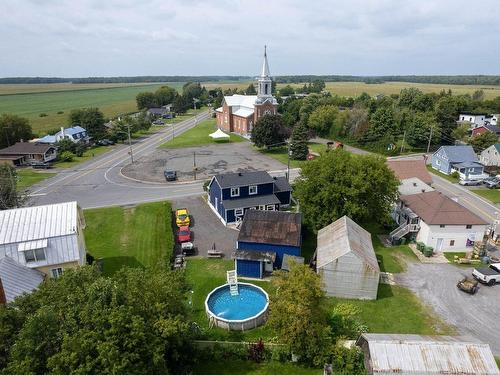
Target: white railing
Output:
[(403, 230), (232, 280)]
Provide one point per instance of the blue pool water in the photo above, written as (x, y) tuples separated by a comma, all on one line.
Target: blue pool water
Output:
[(249, 302)]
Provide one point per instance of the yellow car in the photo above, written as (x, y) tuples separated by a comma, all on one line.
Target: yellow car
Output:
[(182, 217)]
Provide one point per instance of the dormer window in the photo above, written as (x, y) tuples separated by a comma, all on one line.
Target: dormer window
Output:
[(252, 190), (34, 251), (35, 255), (235, 192)]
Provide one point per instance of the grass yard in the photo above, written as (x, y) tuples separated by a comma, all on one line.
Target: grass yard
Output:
[(27, 177), (452, 179), (451, 258), (198, 136), (281, 154), (206, 274), (135, 236), (87, 155), (490, 194), (397, 310), (250, 368)]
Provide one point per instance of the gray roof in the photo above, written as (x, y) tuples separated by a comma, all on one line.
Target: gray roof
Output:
[(253, 201), (415, 354), (157, 111), (23, 148), (341, 237), (493, 128), (281, 184), (256, 255), (457, 154), (243, 179), (271, 227), (285, 265), (18, 279), (467, 164)]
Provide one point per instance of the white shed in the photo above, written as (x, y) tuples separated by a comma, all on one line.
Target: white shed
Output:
[(346, 261)]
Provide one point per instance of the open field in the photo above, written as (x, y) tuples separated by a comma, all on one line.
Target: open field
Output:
[(135, 236)]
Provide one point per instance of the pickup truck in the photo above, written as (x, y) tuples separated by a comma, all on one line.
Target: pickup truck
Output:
[(488, 276)]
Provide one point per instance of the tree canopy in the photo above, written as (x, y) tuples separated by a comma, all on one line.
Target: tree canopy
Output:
[(339, 183), (268, 131), (13, 129), (91, 119), (483, 141), (9, 197)]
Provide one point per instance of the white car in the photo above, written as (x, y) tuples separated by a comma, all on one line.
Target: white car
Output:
[(469, 182), (489, 276)]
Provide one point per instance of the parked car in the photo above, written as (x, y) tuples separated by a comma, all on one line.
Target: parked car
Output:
[(489, 275), (493, 183), (184, 234), (467, 285), (187, 248), (158, 122), (182, 217), (40, 165), (469, 182), (105, 142), (170, 175)]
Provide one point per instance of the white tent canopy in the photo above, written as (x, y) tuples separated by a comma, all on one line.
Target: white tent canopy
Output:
[(219, 134)]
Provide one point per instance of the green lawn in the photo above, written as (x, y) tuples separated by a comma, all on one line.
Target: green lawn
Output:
[(87, 155), (490, 194), (198, 136), (280, 153), (27, 177), (452, 179), (250, 368), (392, 259), (136, 236)]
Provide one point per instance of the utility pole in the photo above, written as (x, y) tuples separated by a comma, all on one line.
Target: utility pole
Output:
[(194, 164), (403, 144), (130, 144), (429, 143), (173, 131), (288, 166)]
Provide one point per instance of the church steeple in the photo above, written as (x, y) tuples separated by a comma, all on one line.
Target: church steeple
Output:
[(265, 82)]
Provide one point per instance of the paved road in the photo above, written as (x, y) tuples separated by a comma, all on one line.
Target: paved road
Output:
[(476, 315)]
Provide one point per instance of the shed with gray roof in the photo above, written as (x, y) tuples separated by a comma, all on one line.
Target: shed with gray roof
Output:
[(16, 279), (346, 261), (415, 354)]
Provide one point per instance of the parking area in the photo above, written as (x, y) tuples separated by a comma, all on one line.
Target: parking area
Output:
[(209, 160), (473, 315), (206, 228)]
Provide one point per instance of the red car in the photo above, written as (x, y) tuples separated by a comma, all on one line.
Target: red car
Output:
[(184, 234)]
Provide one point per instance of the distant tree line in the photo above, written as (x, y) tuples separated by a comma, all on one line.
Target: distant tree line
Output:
[(135, 79)]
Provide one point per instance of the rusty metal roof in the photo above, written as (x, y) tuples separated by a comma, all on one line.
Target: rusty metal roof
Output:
[(415, 354)]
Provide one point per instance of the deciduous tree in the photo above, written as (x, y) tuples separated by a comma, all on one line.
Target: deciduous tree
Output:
[(13, 129), (268, 131), (145, 100), (91, 119), (322, 119), (483, 141), (9, 196)]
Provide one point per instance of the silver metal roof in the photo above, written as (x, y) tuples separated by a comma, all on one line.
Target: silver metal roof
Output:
[(39, 222), (18, 279), (415, 354), (341, 237)]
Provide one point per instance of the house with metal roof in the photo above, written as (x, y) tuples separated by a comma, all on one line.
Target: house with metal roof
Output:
[(46, 238), (346, 261), (404, 169), (461, 159), (231, 195), (76, 134), (490, 157), (265, 238), (422, 355), (437, 221), (16, 279), (26, 153)]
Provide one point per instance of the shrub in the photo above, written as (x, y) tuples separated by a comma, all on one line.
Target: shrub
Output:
[(256, 351), (60, 112), (455, 175), (79, 149), (66, 156), (348, 361), (42, 115)]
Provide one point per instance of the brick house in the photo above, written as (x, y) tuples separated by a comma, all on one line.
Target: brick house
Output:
[(239, 113)]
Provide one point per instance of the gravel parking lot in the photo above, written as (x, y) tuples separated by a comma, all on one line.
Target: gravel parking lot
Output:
[(474, 315), (210, 160), (206, 228)]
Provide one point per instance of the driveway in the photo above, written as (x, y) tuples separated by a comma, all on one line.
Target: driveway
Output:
[(206, 228), (210, 160), (477, 315)]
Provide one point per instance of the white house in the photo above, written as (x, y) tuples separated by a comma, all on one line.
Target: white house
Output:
[(437, 221), (474, 120), (491, 156), (76, 134), (346, 261), (47, 238), (493, 119)]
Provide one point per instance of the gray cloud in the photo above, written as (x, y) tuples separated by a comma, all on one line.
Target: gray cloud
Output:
[(182, 37)]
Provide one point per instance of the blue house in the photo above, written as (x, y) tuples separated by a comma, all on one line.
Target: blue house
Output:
[(76, 134), (461, 159), (230, 195), (265, 238)]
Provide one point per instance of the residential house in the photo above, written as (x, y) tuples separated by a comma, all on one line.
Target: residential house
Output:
[(16, 279), (437, 221), (486, 128), (265, 238), (239, 113), (474, 120), (230, 195), (46, 238), (76, 134), (346, 260), (491, 156), (461, 159), (26, 153), (387, 354), (157, 112), (404, 169)]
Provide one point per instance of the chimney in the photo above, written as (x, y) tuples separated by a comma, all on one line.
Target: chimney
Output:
[(62, 132), (239, 174), (3, 299)]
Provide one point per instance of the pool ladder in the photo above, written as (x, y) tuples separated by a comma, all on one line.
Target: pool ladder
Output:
[(232, 280)]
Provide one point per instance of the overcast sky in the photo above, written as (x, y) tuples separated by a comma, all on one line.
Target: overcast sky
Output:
[(224, 37)]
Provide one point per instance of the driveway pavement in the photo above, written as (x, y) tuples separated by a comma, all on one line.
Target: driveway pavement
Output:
[(206, 228), (477, 315)]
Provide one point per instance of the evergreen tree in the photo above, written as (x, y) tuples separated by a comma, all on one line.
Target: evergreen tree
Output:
[(298, 143)]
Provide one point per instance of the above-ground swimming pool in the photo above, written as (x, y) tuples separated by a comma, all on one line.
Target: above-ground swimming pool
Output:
[(244, 311)]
